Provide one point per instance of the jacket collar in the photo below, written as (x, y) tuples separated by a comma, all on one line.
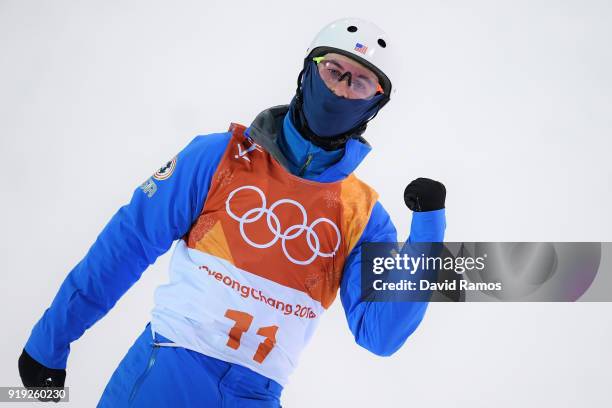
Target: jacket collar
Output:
[(273, 130)]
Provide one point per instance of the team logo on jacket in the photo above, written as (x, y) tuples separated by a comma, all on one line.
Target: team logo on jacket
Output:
[(166, 170), (279, 233)]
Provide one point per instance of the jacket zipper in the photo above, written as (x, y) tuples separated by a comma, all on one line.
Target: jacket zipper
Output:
[(305, 165), (144, 375)]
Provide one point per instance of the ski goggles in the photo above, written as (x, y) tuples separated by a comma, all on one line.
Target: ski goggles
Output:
[(360, 82)]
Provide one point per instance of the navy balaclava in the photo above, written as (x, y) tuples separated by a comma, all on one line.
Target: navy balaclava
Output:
[(327, 115)]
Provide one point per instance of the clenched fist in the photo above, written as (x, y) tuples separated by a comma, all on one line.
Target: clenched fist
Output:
[(425, 194)]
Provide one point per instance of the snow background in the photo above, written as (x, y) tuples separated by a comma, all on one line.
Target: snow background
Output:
[(508, 103)]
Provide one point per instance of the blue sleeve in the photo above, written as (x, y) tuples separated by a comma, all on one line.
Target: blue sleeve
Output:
[(383, 327), (161, 210)]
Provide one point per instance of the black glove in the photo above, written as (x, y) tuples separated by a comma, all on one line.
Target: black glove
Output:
[(425, 194), (34, 374)]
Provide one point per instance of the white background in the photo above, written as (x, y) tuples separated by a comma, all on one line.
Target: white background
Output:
[(506, 102)]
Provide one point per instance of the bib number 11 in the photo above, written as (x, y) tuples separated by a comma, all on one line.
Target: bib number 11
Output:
[(242, 324)]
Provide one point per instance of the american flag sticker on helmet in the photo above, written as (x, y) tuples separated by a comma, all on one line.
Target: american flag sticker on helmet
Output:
[(361, 48)]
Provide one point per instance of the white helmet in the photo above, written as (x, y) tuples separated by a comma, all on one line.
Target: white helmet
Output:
[(361, 40)]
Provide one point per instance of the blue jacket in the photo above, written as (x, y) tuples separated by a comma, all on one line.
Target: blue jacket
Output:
[(139, 233)]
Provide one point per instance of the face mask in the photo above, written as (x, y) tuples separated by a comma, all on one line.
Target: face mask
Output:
[(328, 114)]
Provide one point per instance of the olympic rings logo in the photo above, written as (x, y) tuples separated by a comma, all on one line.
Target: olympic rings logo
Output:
[(274, 226)]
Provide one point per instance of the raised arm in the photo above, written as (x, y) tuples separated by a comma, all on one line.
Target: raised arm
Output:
[(383, 327)]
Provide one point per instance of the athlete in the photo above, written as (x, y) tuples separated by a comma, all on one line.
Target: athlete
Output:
[(269, 222)]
